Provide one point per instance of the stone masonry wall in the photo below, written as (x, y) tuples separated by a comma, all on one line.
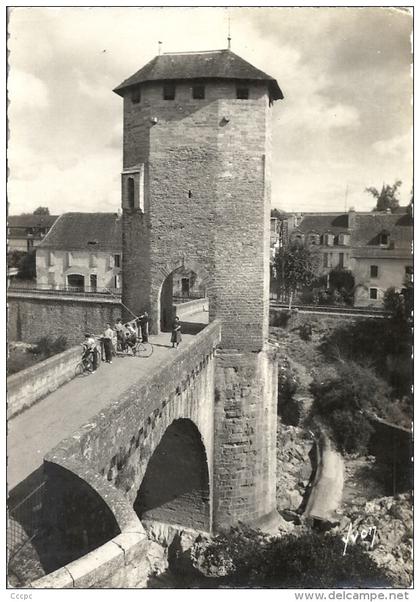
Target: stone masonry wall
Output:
[(30, 318), (28, 386), (205, 169), (245, 438)]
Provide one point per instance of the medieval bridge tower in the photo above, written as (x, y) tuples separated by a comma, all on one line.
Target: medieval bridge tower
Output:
[(196, 195)]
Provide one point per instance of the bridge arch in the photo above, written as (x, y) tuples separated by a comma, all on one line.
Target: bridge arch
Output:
[(165, 292), (175, 488)]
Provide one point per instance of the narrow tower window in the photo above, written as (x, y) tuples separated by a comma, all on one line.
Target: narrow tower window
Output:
[(130, 192), (198, 91), (242, 92), (136, 95), (169, 91)]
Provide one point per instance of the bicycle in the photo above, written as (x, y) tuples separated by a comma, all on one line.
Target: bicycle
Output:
[(143, 349), (139, 349), (84, 366)]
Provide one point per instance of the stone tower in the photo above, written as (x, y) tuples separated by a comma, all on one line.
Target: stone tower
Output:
[(196, 195)]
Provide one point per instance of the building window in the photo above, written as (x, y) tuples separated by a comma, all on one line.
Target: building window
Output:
[(130, 192), (242, 93), (136, 95), (169, 91), (117, 260), (373, 271), (373, 293), (93, 263), (76, 282), (198, 91), (325, 260), (341, 260), (384, 238), (93, 283)]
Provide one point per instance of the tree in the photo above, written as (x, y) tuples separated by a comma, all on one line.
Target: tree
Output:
[(341, 278), (42, 211), (27, 266), (295, 268), (278, 213), (387, 198)]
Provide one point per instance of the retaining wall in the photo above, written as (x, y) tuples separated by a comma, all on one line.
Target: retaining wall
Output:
[(188, 308), (28, 386), (31, 317)]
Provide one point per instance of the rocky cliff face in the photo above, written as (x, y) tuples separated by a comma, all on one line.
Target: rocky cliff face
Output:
[(294, 467), (391, 522)]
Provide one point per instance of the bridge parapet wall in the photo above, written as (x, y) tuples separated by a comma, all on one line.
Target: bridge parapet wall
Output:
[(188, 308), (28, 386)]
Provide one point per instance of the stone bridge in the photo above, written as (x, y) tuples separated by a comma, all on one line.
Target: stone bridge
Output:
[(151, 450), (157, 455)]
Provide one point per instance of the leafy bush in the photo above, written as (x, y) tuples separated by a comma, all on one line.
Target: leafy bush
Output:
[(244, 557), (383, 344), (351, 431), (288, 383), (341, 400), (47, 346), (19, 360), (342, 280), (305, 331), (14, 257), (281, 318)]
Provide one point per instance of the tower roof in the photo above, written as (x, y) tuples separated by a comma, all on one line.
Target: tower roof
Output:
[(213, 64)]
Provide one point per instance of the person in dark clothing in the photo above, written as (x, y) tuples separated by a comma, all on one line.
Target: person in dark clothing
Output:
[(143, 322), (176, 337)]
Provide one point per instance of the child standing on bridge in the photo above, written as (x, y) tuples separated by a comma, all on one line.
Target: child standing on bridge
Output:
[(176, 337)]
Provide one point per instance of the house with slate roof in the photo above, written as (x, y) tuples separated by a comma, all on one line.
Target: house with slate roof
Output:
[(381, 255), (376, 247), (82, 251), (26, 231), (326, 233)]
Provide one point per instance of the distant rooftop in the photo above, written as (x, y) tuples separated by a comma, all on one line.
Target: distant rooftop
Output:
[(31, 221), (210, 64)]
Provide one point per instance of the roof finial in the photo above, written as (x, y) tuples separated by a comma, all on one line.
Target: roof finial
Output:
[(229, 39), (159, 48)]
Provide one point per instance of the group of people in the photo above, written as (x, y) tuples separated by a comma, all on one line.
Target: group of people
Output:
[(121, 336)]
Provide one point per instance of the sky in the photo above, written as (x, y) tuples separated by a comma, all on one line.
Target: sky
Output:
[(345, 122)]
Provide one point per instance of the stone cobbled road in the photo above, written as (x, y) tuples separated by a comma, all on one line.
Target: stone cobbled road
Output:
[(37, 430)]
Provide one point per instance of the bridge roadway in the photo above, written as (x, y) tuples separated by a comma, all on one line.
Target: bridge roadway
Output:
[(37, 430)]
